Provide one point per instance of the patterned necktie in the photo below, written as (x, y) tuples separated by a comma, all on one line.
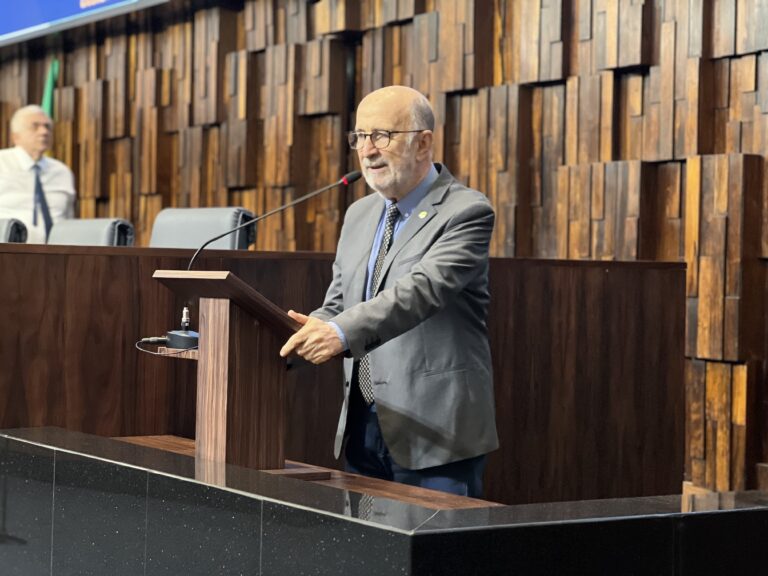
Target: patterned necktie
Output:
[(364, 368), (365, 507), (41, 203)]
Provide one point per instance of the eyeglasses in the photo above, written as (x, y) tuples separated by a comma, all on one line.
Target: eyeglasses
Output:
[(379, 138)]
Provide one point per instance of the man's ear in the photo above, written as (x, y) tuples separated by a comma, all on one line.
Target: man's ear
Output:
[(425, 140)]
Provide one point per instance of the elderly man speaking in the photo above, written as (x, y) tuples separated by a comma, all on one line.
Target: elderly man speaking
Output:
[(37, 190), (407, 307)]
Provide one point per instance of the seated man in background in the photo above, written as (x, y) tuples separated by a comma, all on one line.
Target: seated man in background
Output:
[(37, 190)]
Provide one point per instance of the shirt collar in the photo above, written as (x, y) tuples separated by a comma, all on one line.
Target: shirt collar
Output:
[(412, 199), (26, 160)]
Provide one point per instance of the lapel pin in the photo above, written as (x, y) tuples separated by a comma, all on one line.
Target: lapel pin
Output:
[(423, 214)]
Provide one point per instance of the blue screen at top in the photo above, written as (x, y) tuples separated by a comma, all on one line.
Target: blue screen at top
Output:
[(23, 17)]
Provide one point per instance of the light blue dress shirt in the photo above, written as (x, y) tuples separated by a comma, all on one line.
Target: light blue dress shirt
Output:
[(406, 206)]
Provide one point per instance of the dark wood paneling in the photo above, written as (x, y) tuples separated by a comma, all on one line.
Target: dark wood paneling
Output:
[(588, 383), (588, 361), (70, 359)]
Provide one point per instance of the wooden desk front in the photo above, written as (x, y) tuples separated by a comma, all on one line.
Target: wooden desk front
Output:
[(588, 361)]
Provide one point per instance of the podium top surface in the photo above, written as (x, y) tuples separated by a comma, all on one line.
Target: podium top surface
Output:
[(226, 285)]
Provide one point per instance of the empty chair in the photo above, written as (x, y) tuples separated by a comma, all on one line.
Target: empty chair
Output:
[(12, 230), (191, 227), (92, 232)]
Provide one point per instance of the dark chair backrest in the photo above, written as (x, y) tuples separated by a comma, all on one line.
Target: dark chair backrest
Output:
[(12, 230), (191, 227), (92, 232)]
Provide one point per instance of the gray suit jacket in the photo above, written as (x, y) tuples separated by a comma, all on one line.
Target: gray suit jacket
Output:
[(425, 328)]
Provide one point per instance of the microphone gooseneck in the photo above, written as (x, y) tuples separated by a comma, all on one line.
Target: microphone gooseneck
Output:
[(185, 338), (345, 180)]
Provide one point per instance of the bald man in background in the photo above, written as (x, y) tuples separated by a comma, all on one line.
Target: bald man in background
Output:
[(407, 307), (35, 189)]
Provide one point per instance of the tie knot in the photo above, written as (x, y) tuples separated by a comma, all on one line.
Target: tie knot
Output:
[(36, 167), (392, 211)]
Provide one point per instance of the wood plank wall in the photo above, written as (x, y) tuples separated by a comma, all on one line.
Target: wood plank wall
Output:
[(599, 129)]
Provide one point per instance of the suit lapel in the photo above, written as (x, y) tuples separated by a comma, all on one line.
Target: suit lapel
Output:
[(363, 237), (423, 213)]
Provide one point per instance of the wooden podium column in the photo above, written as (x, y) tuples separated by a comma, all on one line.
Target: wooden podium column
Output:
[(240, 416), (240, 387)]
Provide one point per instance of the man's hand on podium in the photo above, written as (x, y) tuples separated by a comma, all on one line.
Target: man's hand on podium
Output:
[(316, 341)]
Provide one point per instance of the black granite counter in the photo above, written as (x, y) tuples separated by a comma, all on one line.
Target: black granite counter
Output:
[(74, 503)]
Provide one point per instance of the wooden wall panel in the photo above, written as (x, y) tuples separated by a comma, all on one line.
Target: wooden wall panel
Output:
[(322, 78), (674, 103), (176, 57), (619, 211), (656, 123), (259, 24), (724, 27), (751, 18), (620, 33), (280, 112), (90, 131), (720, 410), (341, 15), (548, 149), (270, 22), (215, 35), (14, 86), (313, 221), (740, 121), (590, 119), (119, 179), (723, 241), (609, 130), (66, 114), (116, 74), (329, 16), (662, 208), (367, 14), (244, 126), (438, 52), (150, 139), (533, 36), (191, 159)]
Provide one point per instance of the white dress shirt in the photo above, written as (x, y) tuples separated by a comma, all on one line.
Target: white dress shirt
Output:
[(17, 190)]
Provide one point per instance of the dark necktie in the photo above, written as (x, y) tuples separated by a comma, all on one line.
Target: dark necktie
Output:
[(41, 203), (364, 368)]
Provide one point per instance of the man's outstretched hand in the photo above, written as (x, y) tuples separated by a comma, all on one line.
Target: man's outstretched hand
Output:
[(316, 341)]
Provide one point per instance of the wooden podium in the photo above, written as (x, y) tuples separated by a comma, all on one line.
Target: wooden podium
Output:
[(240, 416)]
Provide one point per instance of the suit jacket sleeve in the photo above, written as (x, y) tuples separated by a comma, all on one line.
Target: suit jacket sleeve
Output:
[(453, 259)]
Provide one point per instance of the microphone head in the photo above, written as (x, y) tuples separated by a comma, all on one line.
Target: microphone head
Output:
[(351, 177)]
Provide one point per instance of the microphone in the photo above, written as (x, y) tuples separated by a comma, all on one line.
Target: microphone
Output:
[(186, 338), (345, 180)]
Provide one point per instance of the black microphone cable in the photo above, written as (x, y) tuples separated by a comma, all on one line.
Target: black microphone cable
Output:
[(157, 341)]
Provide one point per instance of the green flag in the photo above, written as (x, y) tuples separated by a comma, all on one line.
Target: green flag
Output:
[(50, 85)]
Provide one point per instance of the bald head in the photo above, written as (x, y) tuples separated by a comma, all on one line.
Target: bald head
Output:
[(402, 103), (397, 168)]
